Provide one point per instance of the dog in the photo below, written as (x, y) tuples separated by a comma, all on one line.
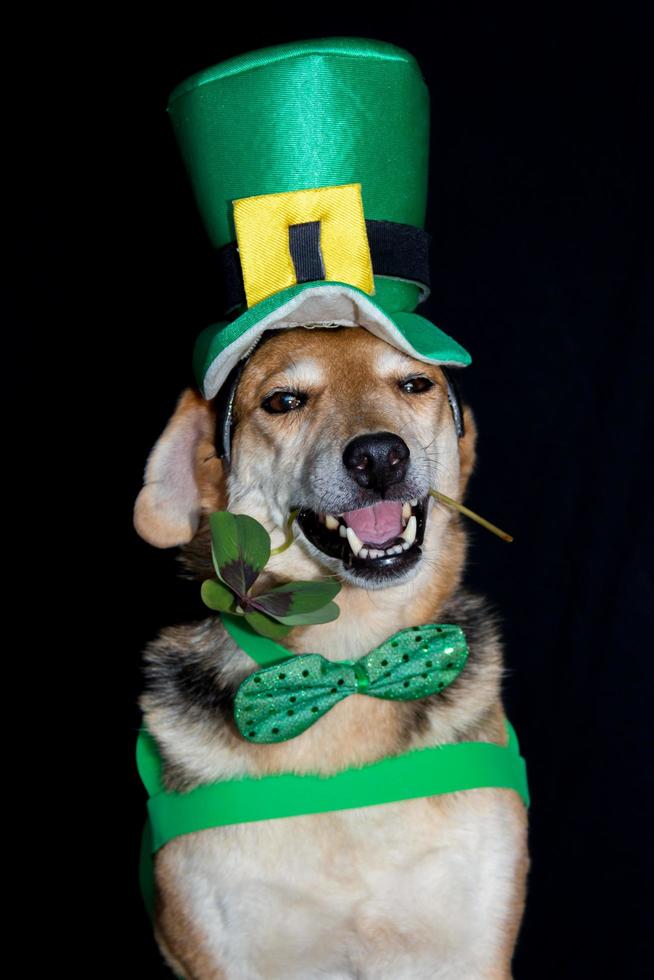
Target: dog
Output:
[(329, 421)]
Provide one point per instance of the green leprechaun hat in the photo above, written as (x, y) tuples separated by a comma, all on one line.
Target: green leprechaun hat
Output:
[(309, 164)]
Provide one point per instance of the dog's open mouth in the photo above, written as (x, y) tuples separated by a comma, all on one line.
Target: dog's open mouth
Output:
[(384, 537)]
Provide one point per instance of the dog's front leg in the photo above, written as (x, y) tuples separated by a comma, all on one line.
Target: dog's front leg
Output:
[(215, 927), (186, 949)]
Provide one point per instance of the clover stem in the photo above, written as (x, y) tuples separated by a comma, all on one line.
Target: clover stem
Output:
[(289, 534), (469, 513)]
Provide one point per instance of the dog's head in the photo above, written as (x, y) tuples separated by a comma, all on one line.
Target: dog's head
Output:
[(338, 425)]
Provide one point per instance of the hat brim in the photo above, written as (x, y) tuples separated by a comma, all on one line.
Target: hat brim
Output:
[(324, 304)]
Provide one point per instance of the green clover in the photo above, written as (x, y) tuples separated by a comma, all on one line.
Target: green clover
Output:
[(240, 549)]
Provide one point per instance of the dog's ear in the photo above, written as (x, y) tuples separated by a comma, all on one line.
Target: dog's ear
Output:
[(467, 449), (183, 476)]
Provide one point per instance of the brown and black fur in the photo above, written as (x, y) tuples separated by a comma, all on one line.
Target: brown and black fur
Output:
[(234, 902)]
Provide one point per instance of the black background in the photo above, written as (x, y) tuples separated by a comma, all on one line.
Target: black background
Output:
[(538, 207)]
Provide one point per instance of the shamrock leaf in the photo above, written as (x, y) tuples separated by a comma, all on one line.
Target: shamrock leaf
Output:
[(265, 625), (324, 615), (217, 596), (240, 548), (298, 599)]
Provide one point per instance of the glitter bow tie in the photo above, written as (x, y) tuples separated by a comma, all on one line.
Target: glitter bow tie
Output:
[(280, 701)]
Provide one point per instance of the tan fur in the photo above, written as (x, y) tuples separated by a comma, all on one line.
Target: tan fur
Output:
[(164, 514), (334, 859), (179, 940)]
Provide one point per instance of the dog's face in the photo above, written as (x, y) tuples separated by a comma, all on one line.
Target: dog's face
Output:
[(352, 433), (338, 425)]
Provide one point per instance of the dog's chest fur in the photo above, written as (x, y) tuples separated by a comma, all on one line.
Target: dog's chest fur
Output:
[(421, 888)]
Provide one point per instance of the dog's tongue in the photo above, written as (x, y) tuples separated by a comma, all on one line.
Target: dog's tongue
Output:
[(376, 524)]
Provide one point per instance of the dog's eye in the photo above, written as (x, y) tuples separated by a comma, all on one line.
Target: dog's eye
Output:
[(283, 401), (416, 385)]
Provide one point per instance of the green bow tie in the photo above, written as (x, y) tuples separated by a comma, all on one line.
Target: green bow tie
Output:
[(280, 701)]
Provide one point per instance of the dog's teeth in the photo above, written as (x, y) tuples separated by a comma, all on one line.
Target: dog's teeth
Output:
[(406, 546), (342, 530), (363, 553), (397, 549), (414, 502), (375, 553), (355, 544), (331, 522), (406, 510), (409, 533)]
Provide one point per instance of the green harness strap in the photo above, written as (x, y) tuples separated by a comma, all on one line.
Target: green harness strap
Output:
[(417, 773)]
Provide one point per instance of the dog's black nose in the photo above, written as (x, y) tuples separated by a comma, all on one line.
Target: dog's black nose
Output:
[(376, 459)]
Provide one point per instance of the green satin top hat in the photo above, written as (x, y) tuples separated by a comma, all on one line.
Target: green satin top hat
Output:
[(309, 165)]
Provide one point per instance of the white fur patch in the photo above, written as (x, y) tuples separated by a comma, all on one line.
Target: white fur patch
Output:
[(391, 361), (303, 371)]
